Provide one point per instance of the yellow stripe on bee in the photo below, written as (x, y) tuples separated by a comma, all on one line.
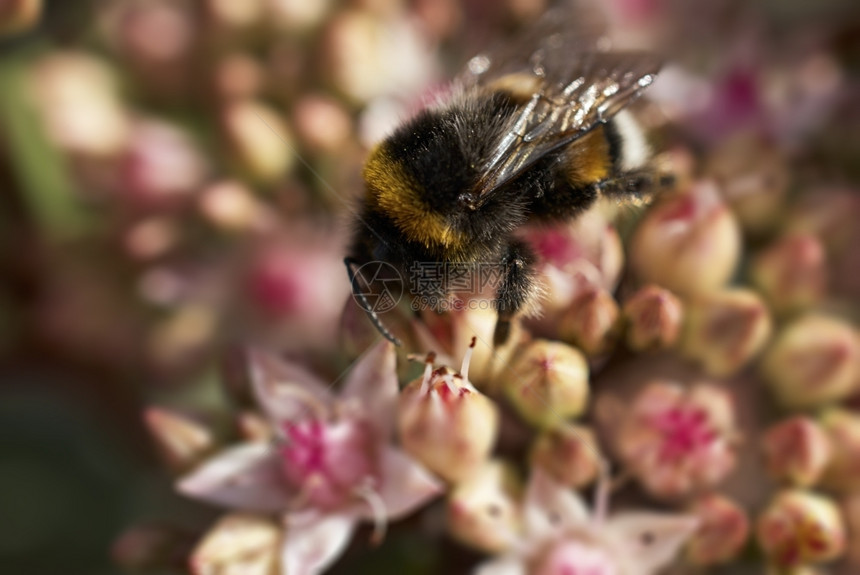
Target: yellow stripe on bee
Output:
[(396, 194), (588, 159)]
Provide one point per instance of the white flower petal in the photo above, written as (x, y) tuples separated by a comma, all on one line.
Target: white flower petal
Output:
[(406, 485), (245, 477), (312, 541), (372, 381), (648, 541), (505, 566), (285, 390), (550, 506)]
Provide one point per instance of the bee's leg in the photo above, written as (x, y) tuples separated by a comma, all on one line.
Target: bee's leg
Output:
[(358, 293), (518, 282), (637, 186)]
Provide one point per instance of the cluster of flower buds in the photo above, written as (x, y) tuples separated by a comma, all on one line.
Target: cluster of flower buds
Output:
[(727, 278)]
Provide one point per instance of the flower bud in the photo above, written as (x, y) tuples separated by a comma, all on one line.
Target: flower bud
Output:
[(238, 543), (675, 440), (483, 509), (322, 124), (182, 441), (725, 330), (813, 361), (796, 450), (300, 16), (260, 140), (446, 423), (754, 180), (370, 56), (591, 322), (687, 242), (77, 98), (18, 16), (160, 164), (190, 329), (238, 76), (842, 428), (254, 427), (800, 527), (585, 254), (569, 453), (723, 530), (548, 383), (231, 206), (653, 317), (792, 273), (151, 238)]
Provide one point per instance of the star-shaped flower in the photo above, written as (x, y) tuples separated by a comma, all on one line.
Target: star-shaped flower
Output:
[(332, 463), (561, 537)]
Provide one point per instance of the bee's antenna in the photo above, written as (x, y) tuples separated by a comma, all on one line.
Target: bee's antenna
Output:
[(365, 305)]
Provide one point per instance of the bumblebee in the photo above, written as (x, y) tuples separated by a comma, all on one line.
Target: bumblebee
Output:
[(533, 133)]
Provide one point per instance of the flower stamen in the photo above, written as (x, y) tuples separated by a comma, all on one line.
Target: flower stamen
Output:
[(428, 371), (377, 507), (467, 358)]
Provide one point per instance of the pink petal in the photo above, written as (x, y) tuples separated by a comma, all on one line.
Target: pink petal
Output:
[(373, 382), (312, 541), (246, 477), (503, 566), (285, 390), (406, 485), (550, 507)]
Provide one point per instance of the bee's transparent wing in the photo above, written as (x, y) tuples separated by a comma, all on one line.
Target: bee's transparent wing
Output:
[(578, 86)]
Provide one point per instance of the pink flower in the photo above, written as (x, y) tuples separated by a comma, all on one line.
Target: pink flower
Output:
[(331, 465), (445, 423), (674, 440), (561, 537)]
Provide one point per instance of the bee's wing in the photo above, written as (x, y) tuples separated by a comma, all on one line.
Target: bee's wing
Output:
[(578, 86)]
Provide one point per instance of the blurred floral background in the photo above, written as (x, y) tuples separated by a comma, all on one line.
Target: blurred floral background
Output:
[(177, 179)]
